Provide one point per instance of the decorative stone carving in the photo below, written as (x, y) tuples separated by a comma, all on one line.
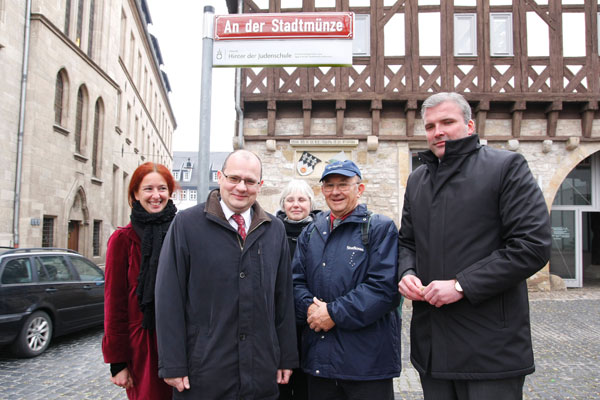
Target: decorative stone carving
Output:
[(271, 145), (513, 144), (372, 143), (547, 146), (572, 143)]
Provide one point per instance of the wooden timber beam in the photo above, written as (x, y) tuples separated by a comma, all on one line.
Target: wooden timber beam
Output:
[(307, 114)]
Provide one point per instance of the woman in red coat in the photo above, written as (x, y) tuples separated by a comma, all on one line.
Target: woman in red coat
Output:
[(129, 342)]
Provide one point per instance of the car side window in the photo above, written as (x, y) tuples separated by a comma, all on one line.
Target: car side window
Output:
[(17, 270), (41, 271), (86, 270), (56, 268)]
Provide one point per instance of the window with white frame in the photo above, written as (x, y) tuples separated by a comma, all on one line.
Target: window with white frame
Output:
[(501, 34), (183, 195), (193, 195), (214, 177), (187, 174), (361, 44), (465, 35), (177, 175)]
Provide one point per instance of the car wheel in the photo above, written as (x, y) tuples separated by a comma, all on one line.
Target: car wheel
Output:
[(35, 335)]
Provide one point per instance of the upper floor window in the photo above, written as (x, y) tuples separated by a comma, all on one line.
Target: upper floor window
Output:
[(80, 116), (501, 34), (394, 44), (187, 174), (67, 17), (177, 175), (465, 35), (97, 140), (91, 28), (215, 176), (123, 32), (59, 98), (429, 27), (361, 44), (79, 31)]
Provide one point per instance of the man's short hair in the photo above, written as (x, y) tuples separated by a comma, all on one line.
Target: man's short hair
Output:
[(248, 155), (454, 97)]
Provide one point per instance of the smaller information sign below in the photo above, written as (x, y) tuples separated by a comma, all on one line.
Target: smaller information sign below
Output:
[(295, 39), (280, 53)]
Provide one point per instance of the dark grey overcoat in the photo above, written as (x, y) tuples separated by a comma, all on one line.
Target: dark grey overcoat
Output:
[(224, 310)]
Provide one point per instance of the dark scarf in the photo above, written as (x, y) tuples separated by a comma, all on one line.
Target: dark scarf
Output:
[(153, 228)]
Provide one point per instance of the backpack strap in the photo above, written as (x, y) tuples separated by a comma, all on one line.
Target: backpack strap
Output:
[(364, 229)]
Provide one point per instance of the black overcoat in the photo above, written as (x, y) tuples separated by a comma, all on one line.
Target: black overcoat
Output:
[(224, 308), (478, 216)]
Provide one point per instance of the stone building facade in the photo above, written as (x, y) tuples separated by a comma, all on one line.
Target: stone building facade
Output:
[(95, 107)]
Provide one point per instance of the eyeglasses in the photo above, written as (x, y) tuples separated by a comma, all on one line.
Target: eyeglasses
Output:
[(343, 187), (235, 180)]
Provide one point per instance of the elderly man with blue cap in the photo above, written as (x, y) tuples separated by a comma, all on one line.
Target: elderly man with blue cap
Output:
[(345, 292)]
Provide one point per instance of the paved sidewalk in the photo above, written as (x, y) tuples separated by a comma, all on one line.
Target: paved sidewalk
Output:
[(566, 342), (566, 336)]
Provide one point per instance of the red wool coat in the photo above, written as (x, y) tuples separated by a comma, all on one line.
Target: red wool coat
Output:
[(124, 338)]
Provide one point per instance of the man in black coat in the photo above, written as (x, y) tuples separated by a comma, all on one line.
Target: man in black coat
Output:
[(225, 318), (474, 227)]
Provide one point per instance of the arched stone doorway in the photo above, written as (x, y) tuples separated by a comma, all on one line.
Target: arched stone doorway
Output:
[(575, 219), (78, 219)]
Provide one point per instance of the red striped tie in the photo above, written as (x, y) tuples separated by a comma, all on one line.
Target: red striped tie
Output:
[(239, 220)]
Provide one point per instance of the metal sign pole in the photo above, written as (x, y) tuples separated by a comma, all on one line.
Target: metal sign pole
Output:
[(205, 104)]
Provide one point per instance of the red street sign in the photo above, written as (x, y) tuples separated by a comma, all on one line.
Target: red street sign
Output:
[(332, 25)]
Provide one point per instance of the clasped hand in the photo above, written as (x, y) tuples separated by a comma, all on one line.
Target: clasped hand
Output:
[(437, 293), (318, 317)]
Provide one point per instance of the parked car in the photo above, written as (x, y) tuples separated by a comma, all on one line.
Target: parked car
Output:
[(44, 293)]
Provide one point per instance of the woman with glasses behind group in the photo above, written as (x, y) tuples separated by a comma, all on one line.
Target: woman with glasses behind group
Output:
[(129, 342), (297, 203)]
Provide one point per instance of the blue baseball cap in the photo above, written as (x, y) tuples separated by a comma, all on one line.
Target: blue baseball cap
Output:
[(346, 168)]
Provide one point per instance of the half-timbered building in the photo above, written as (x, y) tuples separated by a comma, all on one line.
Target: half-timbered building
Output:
[(529, 68)]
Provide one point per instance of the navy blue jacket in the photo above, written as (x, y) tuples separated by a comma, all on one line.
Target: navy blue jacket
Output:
[(359, 283)]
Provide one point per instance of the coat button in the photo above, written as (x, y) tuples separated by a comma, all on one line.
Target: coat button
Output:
[(242, 337), (317, 372), (242, 275), (324, 264)]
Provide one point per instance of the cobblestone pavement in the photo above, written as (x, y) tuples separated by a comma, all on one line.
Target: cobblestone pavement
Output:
[(566, 336)]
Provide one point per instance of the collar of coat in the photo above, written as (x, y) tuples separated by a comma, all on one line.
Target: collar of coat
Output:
[(213, 207), (454, 148), (358, 215), (130, 232)]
